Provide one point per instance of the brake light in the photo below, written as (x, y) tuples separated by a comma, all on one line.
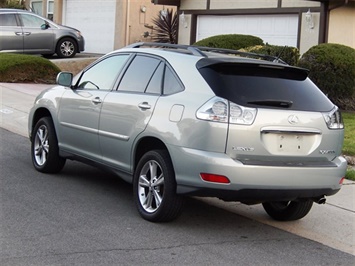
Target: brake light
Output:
[(214, 178), (220, 110), (333, 119)]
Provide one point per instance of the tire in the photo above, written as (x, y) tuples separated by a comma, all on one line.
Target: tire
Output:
[(47, 56), (287, 210), (154, 188), (66, 48), (44, 147)]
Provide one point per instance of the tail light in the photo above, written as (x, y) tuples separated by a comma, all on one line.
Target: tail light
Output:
[(220, 110), (333, 119)]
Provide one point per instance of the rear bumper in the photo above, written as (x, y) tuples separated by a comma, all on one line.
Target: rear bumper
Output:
[(253, 182)]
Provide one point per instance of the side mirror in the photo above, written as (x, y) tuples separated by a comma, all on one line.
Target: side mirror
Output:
[(45, 25), (65, 79)]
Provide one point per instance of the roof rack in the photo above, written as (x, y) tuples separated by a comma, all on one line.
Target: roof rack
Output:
[(199, 50)]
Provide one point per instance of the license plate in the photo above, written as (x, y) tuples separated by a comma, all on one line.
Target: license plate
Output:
[(290, 143)]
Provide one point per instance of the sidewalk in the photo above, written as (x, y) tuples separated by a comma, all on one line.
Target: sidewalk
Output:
[(332, 224)]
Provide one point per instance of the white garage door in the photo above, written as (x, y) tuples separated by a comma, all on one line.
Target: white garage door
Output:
[(95, 19), (273, 29)]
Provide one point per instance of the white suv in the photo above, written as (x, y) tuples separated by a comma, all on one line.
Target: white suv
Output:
[(180, 120)]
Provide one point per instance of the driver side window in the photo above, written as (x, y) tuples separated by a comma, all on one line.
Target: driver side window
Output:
[(30, 21), (103, 75)]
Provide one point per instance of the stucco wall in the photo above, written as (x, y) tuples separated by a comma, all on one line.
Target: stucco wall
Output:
[(309, 36), (240, 4), (184, 29), (195, 4), (138, 19), (342, 26), (299, 3)]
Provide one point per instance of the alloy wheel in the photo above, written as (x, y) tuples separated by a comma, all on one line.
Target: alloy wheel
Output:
[(151, 186)]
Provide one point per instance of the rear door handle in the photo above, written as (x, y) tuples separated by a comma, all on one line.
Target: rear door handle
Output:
[(27, 33), (96, 100), (144, 106), (19, 33)]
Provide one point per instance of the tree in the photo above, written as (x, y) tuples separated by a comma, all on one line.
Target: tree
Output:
[(20, 4), (165, 27)]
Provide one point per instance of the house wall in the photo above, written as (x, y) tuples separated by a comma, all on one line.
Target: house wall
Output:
[(140, 18), (299, 3), (342, 25), (195, 4), (309, 35), (241, 4), (306, 36)]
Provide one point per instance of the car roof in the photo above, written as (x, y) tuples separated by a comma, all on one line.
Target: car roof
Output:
[(11, 10)]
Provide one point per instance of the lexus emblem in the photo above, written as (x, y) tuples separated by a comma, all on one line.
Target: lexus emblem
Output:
[(292, 119)]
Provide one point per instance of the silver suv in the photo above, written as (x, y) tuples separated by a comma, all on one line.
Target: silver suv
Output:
[(179, 120), (22, 31)]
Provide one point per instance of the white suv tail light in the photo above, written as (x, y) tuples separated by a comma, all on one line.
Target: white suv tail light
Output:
[(333, 119), (220, 110)]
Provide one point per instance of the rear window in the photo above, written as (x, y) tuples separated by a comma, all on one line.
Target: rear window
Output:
[(265, 86)]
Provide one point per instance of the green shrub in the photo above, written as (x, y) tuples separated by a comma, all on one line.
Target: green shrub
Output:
[(12, 4), (288, 54), (27, 68), (350, 174), (230, 41), (332, 69)]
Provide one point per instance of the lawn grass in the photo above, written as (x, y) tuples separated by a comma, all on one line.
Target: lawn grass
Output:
[(349, 138)]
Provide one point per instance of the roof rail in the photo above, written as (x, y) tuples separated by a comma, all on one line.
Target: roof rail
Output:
[(190, 48), (199, 50)]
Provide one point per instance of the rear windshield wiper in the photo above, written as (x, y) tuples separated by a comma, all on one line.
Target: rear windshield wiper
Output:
[(273, 103)]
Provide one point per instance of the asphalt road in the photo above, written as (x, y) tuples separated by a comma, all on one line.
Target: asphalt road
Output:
[(84, 216)]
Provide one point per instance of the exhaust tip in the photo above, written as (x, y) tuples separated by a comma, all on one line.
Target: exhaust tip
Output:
[(321, 200)]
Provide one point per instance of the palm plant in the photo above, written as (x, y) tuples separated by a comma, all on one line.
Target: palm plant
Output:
[(165, 27)]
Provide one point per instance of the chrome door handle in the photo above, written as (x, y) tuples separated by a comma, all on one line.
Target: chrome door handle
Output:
[(96, 100), (144, 105), (27, 33), (19, 33)]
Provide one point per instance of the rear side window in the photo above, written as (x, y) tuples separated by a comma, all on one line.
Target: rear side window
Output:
[(139, 74), (8, 20), (266, 87), (171, 83)]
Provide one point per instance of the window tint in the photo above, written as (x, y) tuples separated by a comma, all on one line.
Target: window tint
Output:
[(31, 21), (8, 20), (103, 75), (265, 87), (139, 74), (171, 83), (155, 83)]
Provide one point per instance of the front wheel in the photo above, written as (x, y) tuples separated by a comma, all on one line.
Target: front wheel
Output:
[(288, 210), (66, 48), (154, 188), (44, 147)]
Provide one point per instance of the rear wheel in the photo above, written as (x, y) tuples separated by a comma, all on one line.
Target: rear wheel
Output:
[(66, 48), (44, 147), (154, 188), (288, 210)]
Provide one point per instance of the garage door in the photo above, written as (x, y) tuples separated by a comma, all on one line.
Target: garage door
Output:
[(95, 19), (273, 29)]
